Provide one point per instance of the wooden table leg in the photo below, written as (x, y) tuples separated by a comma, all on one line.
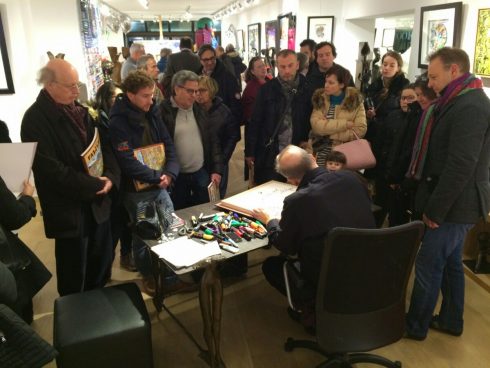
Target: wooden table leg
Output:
[(211, 300)]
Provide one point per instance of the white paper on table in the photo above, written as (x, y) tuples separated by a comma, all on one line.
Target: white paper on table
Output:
[(16, 163), (185, 252)]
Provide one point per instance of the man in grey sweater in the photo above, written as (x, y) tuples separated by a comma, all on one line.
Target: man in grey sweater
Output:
[(196, 143)]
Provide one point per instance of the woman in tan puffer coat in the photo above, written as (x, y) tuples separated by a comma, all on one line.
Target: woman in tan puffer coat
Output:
[(338, 112)]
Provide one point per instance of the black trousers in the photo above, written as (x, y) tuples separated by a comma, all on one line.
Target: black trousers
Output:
[(83, 262), (273, 272)]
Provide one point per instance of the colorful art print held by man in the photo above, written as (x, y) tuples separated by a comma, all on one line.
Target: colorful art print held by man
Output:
[(76, 206), (450, 159)]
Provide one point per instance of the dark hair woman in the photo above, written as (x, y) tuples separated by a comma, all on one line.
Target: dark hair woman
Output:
[(383, 97), (338, 114)]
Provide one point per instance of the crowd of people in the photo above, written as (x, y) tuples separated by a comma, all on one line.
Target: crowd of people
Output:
[(430, 139)]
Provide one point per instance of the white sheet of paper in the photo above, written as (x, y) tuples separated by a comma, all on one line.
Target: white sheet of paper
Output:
[(185, 252), (16, 163)]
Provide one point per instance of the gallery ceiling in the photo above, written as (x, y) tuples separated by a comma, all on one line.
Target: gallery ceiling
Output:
[(168, 9)]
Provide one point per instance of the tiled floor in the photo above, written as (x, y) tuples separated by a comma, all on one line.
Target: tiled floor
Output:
[(255, 323)]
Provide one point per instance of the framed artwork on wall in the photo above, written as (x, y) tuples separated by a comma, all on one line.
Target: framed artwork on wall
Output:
[(481, 66), (6, 82), (440, 26), (240, 40), (287, 31), (253, 40), (320, 29), (270, 33)]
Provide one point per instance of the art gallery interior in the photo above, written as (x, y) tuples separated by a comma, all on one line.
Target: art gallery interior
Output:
[(255, 322)]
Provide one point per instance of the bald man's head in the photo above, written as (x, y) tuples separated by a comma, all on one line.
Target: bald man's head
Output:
[(293, 163), (60, 79)]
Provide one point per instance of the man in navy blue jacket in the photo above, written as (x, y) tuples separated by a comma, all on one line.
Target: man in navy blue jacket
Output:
[(135, 122)]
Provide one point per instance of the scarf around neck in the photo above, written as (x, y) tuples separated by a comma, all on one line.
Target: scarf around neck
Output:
[(457, 87)]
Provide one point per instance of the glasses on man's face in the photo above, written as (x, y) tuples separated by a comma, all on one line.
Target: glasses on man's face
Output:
[(207, 60), (70, 86), (190, 91)]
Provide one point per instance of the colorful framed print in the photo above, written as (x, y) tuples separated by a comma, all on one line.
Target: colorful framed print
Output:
[(287, 31), (440, 26), (320, 29), (481, 66), (270, 34)]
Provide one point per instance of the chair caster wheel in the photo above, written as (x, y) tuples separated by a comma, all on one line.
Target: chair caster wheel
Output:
[(289, 345)]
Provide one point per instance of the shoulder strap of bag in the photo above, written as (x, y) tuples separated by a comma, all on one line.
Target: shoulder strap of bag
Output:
[(281, 120)]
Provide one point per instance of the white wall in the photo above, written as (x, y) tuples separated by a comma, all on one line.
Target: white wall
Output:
[(33, 27), (354, 22)]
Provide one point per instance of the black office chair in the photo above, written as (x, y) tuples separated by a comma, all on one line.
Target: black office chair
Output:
[(360, 304)]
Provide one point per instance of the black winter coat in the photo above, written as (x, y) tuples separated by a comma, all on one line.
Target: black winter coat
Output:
[(399, 149), (270, 105), (213, 155), (228, 90), (383, 105), (126, 133), (16, 213), (323, 200), (62, 183), (225, 125), (458, 161)]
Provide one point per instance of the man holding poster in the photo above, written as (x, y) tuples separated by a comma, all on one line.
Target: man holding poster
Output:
[(75, 205)]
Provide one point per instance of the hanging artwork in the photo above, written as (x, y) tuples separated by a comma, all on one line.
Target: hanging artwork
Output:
[(320, 29), (439, 27), (253, 40), (287, 31), (270, 33), (482, 45)]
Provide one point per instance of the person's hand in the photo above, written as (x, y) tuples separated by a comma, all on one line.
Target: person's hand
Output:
[(261, 215), (371, 113), (431, 224), (107, 185), (28, 189), (250, 161), (165, 181), (350, 124), (216, 178)]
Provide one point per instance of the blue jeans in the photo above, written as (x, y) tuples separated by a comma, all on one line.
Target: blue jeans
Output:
[(141, 253), (191, 189), (439, 265)]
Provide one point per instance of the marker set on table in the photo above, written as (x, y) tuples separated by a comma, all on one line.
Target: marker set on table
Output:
[(228, 229)]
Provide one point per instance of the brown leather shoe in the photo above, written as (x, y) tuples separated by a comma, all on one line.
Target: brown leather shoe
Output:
[(148, 285), (127, 262)]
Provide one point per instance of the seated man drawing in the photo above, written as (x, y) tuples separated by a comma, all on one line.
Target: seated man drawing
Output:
[(323, 200)]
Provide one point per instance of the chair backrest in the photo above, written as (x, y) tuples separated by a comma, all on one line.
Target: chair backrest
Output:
[(361, 293)]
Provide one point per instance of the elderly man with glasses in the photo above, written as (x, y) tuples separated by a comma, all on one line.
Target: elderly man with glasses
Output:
[(197, 145), (76, 205)]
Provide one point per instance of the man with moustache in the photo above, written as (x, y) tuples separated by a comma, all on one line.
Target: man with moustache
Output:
[(281, 117), (135, 122), (76, 206)]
